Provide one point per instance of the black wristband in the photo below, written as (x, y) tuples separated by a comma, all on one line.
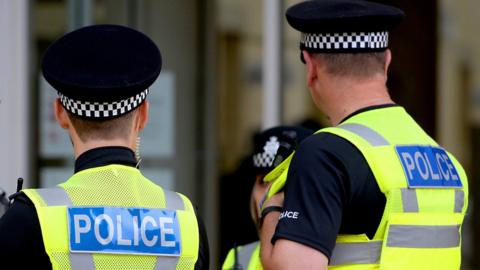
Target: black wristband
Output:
[(269, 209)]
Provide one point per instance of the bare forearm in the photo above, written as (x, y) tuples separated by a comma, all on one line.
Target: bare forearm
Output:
[(285, 254), (280, 256), (266, 234)]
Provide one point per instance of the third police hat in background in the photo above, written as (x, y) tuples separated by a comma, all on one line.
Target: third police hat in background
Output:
[(274, 145)]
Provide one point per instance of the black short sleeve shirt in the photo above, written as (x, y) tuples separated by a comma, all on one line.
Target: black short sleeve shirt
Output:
[(330, 190)]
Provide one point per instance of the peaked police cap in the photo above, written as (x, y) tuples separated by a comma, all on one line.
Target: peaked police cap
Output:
[(102, 71)]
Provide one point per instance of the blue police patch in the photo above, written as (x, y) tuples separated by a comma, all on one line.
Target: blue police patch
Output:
[(428, 166), (124, 230)]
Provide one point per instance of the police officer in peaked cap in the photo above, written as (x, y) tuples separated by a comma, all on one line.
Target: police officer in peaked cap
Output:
[(107, 215), (374, 191), (271, 148)]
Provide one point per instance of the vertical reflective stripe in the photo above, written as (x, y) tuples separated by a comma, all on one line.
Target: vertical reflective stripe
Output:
[(54, 196), (409, 200), (459, 200), (370, 135), (356, 253), (81, 261), (173, 200), (414, 236), (245, 254), (165, 263)]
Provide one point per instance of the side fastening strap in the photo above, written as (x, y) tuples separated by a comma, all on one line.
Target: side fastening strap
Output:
[(459, 200), (370, 135), (409, 200), (356, 253)]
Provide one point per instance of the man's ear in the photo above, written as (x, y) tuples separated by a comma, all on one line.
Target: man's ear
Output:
[(311, 70), (388, 60), (143, 115), (61, 114)]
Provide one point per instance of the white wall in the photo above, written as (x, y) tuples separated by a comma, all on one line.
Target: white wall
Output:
[(14, 93)]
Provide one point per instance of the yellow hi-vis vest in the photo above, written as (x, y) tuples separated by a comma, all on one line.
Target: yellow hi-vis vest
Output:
[(421, 224), (127, 222), (248, 258)]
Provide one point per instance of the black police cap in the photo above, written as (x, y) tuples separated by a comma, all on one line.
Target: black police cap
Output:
[(274, 145), (102, 71), (343, 26)]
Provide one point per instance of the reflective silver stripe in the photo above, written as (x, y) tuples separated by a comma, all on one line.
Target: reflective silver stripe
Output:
[(409, 200), (173, 201), (58, 196), (370, 135), (414, 236), (165, 263), (54, 196), (245, 254), (459, 200), (356, 253), (81, 261)]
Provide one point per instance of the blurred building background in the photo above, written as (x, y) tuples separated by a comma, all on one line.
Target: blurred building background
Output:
[(210, 98)]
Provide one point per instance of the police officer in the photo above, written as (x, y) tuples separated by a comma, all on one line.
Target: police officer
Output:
[(107, 215), (374, 191), (271, 148)]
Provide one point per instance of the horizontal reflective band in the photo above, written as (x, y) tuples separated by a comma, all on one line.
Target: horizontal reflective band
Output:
[(245, 254), (173, 201), (54, 196), (356, 253), (459, 200), (370, 135), (81, 261), (409, 200), (164, 262), (411, 236)]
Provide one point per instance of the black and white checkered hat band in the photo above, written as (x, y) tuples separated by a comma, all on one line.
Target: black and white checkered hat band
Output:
[(362, 41), (263, 160), (102, 109)]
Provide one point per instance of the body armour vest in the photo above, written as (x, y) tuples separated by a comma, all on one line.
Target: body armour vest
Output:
[(426, 194), (112, 217)]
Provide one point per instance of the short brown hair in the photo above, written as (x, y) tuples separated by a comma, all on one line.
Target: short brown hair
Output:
[(359, 65), (88, 129)]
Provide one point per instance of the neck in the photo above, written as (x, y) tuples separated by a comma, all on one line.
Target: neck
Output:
[(347, 96), (80, 147)]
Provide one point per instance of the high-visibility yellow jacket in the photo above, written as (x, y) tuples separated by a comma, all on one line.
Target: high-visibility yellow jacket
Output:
[(112, 217), (247, 257), (426, 190)]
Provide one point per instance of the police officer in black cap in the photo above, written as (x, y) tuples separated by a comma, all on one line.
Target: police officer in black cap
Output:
[(107, 215), (271, 148), (374, 191)]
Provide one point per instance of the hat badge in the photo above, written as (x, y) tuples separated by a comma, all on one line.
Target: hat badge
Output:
[(271, 146)]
